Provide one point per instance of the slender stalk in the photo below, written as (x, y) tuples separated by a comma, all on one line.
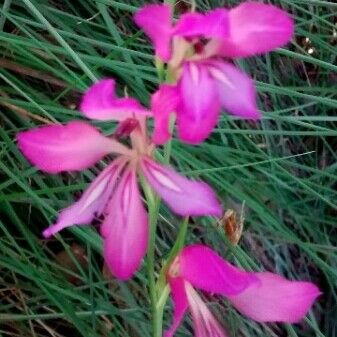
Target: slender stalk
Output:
[(159, 294), (153, 205), (158, 299), (160, 307)]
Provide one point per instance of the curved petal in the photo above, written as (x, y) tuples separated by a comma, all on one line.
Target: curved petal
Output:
[(214, 24), (101, 103), (275, 299), (178, 293), (163, 102), (205, 269), (205, 325), (199, 106), (91, 203), (235, 89), (155, 20), (185, 197), (256, 28), (74, 146), (125, 228)]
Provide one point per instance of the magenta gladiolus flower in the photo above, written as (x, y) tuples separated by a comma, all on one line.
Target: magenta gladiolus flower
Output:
[(114, 193), (264, 297), (194, 49)]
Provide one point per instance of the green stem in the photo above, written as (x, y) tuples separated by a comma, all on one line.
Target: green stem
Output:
[(160, 307), (153, 205), (178, 245), (159, 295)]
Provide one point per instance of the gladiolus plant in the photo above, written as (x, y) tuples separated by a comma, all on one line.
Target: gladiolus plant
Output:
[(114, 193), (195, 54)]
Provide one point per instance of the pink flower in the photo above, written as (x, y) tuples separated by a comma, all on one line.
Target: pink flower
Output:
[(264, 297), (205, 83), (156, 22), (114, 193)]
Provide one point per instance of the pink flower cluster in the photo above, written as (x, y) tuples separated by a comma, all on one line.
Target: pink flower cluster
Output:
[(203, 80), (198, 49), (114, 193)]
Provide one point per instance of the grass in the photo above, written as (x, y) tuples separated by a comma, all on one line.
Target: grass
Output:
[(283, 168)]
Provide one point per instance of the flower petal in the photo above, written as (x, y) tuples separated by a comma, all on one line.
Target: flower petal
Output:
[(185, 197), (125, 228), (155, 20), (235, 89), (205, 269), (163, 102), (178, 293), (101, 103), (199, 106), (74, 146), (205, 325), (275, 299), (91, 203), (256, 28), (214, 24)]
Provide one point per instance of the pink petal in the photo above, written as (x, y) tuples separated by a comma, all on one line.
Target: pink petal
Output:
[(100, 103), (177, 286), (74, 146), (163, 102), (235, 89), (199, 106), (214, 24), (205, 325), (125, 228), (91, 203), (256, 28), (185, 197), (276, 299), (205, 269), (155, 20)]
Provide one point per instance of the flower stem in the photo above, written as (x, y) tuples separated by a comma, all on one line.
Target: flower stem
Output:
[(153, 205), (159, 292)]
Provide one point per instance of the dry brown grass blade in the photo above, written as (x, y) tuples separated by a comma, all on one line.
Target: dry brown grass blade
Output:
[(22, 111)]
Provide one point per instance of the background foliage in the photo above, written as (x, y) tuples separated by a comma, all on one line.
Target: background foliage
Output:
[(283, 168)]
